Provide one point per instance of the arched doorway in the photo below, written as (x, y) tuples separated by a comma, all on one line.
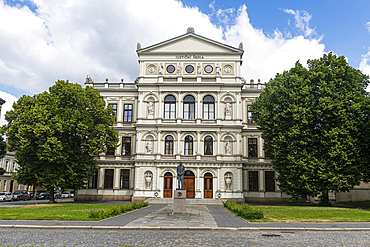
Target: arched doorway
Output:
[(167, 187), (208, 185), (189, 184)]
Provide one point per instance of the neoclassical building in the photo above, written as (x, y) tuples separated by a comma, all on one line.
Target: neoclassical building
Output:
[(189, 103)]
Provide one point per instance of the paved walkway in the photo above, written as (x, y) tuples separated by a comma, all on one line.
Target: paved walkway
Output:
[(198, 217)]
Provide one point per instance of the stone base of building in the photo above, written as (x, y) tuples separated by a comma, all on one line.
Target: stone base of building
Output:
[(103, 197), (139, 198)]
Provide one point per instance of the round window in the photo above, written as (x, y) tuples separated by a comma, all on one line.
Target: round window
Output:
[(170, 69), (208, 69), (189, 69)]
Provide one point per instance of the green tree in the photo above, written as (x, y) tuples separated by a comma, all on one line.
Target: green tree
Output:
[(2, 147), (56, 135), (315, 125)]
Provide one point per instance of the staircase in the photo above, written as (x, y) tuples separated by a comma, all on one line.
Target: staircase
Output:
[(188, 201)]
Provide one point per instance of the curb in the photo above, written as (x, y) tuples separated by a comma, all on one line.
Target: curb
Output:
[(282, 229)]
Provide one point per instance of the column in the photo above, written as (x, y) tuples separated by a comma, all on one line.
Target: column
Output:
[(136, 108), (138, 141), (217, 105), (218, 143), (198, 142), (244, 111), (116, 178), (159, 144), (101, 178), (160, 113), (218, 180), (237, 106), (199, 107), (119, 110), (157, 177), (238, 144), (179, 108), (260, 146), (178, 141), (261, 181)]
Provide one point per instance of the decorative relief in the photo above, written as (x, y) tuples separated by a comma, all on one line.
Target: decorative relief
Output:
[(128, 98), (152, 68), (218, 70), (228, 69), (228, 180), (228, 148), (113, 98), (149, 147), (148, 179), (160, 69)]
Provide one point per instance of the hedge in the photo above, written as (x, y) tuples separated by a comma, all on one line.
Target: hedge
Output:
[(244, 210), (116, 210)]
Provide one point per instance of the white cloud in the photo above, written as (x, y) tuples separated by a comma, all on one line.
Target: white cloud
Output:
[(365, 66), (70, 39), (264, 56), (9, 100), (367, 25), (302, 19)]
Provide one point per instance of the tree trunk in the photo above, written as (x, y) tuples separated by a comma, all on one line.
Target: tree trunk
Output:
[(324, 199), (51, 200)]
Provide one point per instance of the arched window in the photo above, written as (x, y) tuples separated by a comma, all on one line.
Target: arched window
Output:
[(170, 107), (208, 107), (168, 145), (189, 107), (188, 145), (208, 145)]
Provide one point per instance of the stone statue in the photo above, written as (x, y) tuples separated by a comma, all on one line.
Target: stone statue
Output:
[(89, 80), (160, 69), (138, 46), (218, 70), (199, 69), (190, 30), (180, 176), (148, 179), (150, 108), (179, 69), (228, 147), (149, 147), (241, 46), (228, 109), (228, 180)]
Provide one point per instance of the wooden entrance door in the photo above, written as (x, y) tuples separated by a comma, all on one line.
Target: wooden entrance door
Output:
[(189, 184), (208, 185), (167, 191)]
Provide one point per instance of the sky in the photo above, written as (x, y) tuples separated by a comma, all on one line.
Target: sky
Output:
[(42, 41)]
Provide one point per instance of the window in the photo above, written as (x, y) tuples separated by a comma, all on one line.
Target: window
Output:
[(127, 113), (110, 151), (13, 168), (189, 69), (170, 107), (108, 179), (250, 120), (125, 179), (208, 107), (252, 147), (93, 182), (253, 181), (208, 69), (6, 165), (188, 145), (126, 146), (169, 145), (170, 69), (189, 107), (208, 145), (269, 180), (114, 107)]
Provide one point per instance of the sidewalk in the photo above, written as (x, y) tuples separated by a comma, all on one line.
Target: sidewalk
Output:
[(198, 217)]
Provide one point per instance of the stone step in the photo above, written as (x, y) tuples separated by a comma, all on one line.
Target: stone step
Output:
[(188, 201)]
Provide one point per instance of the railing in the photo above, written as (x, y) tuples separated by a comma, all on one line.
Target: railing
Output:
[(254, 86)]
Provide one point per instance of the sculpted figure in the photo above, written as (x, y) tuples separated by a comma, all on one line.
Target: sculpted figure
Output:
[(180, 176), (160, 69), (179, 69), (149, 147), (150, 108), (199, 70), (228, 147), (228, 109), (218, 70)]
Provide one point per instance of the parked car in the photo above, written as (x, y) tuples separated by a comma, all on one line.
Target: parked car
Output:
[(66, 195), (20, 195), (6, 196), (57, 194), (43, 196)]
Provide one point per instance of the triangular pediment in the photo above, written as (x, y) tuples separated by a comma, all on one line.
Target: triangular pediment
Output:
[(190, 43)]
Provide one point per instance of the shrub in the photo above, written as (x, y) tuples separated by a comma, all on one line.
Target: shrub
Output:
[(114, 210), (244, 210)]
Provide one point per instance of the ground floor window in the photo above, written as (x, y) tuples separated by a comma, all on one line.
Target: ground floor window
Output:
[(252, 147), (269, 180), (126, 146), (253, 181), (125, 179), (108, 179), (93, 182)]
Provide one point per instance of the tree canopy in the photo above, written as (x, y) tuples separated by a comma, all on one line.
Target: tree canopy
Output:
[(2, 147), (56, 135), (315, 124)]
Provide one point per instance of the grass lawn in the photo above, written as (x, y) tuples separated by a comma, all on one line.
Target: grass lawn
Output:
[(61, 211), (312, 214)]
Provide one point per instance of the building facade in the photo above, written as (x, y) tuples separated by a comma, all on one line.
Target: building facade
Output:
[(189, 103)]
